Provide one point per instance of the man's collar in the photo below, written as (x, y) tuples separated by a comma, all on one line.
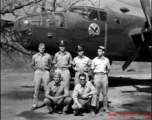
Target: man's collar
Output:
[(39, 54), (81, 57), (62, 53), (84, 85), (57, 84), (102, 58)]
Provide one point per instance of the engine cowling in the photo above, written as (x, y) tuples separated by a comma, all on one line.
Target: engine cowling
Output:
[(146, 35)]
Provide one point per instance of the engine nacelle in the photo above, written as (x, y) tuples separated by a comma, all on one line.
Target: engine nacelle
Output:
[(146, 34)]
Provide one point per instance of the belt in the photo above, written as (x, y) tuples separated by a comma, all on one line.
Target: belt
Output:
[(62, 68), (81, 71), (100, 73), (43, 69)]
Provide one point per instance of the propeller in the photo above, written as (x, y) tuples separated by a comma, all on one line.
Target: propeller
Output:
[(146, 6), (147, 10)]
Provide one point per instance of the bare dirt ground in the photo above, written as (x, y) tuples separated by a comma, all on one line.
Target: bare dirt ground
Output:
[(129, 98)]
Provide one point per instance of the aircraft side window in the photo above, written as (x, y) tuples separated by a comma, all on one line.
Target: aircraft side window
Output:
[(50, 22), (43, 22), (60, 20), (102, 16), (93, 14), (81, 11)]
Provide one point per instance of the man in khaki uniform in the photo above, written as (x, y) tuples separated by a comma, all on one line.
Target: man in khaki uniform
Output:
[(41, 63), (101, 67), (57, 95), (81, 64), (84, 96), (62, 62)]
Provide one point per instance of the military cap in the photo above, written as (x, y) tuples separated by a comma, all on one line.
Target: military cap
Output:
[(62, 43), (79, 48), (101, 47)]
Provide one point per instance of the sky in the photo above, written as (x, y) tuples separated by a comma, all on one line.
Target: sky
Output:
[(116, 5)]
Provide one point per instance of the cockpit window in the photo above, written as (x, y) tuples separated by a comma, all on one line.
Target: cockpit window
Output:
[(35, 20), (102, 15), (93, 14), (47, 20), (81, 11), (60, 20)]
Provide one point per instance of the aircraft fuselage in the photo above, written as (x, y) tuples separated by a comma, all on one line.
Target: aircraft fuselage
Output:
[(108, 28)]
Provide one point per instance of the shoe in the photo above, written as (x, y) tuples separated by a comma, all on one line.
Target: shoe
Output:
[(76, 112), (64, 113), (106, 110), (93, 114), (59, 112), (51, 112), (50, 109), (34, 107)]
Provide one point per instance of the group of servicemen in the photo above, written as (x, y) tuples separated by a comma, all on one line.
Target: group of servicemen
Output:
[(86, 93)]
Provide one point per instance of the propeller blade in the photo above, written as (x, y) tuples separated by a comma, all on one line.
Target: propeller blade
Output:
[(146, 6), (106, 32), (131, 58)]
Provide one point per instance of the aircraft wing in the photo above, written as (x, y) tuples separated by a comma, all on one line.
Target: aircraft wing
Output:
[(135, 3)]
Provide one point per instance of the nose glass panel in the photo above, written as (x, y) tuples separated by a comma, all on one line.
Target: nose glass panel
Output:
[(38, 20)]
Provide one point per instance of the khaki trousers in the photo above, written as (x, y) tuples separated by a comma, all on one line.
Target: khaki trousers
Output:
[(101, 84), (63, 102), (39, 77), (86, 103)]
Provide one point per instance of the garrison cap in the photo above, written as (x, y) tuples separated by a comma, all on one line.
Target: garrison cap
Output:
[(101, 47), (62, 43), (79, 48)]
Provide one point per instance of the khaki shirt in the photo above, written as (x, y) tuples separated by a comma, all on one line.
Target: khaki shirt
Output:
[(80, 91), (81, 63), (59, 90), (62, 60), (100, 65), (40, 61)]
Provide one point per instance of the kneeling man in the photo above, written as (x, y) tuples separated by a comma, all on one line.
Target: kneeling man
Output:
[(84, 95), (57, 95)]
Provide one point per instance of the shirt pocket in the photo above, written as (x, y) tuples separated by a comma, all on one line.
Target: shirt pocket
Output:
[(85, 62), (66, 58), (45, 59), (37, 59)]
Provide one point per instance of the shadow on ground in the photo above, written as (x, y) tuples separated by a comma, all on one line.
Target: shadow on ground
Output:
[(22, 95), (29, 115), (125, 81)]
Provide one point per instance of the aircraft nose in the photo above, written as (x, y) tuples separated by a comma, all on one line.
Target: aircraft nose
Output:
[(22, 25), (25, 38), (24, 29)]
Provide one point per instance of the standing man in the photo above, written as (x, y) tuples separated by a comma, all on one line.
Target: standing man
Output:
[(101, 67), (84, 96), (62, 62), (81, 64), (41, 63), (57, 95)]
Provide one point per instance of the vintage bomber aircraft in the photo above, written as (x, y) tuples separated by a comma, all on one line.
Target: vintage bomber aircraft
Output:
[(125, 37)]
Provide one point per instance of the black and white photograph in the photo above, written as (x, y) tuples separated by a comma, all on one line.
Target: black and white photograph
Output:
[(76, 59)]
